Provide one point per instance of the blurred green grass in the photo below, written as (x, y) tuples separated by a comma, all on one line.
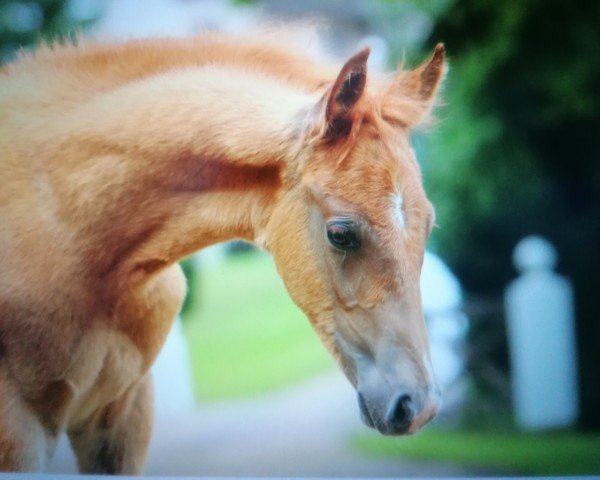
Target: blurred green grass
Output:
[(558, 453), (245, 335)]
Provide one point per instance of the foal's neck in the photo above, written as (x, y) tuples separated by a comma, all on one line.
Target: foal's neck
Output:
[(204, 153)]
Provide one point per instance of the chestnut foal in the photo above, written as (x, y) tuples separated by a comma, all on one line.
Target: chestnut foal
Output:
[(119, 160)]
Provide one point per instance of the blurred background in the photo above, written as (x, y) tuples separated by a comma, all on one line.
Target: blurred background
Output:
[(245, 388)]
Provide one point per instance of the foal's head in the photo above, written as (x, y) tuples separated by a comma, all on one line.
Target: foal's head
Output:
[(348, 234)]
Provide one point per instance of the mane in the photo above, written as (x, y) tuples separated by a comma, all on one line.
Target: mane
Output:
[(94, 67), (116, 62), (288, 53)]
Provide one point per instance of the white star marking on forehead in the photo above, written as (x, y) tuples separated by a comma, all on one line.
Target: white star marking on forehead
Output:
[(398, 213)]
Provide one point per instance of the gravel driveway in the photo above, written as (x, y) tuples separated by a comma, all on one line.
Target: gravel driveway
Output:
[(301, 431)]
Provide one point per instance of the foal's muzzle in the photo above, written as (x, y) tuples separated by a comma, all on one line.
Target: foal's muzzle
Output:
[(406, 413)]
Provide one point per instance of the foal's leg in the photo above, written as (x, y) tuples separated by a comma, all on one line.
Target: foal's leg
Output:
[(116, 438), (23, 442)]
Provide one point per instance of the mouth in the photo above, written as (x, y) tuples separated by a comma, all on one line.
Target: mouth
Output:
[(365, 415), (424, 418)]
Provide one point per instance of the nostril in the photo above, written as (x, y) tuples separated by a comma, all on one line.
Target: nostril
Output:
[(402, 413)]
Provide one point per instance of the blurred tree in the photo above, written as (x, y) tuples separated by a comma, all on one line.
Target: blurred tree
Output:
[(26, 23), (518, 151)]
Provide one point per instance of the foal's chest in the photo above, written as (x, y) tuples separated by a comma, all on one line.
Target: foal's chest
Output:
[(105, 364)]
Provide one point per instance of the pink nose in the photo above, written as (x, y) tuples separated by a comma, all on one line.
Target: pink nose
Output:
[(428, 414)]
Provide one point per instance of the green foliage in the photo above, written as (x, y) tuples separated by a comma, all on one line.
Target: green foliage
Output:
[(560, 453), (245, 334), (512, 93), (516, 150)]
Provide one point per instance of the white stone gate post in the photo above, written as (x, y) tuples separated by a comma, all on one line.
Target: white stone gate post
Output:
[(539, 312)]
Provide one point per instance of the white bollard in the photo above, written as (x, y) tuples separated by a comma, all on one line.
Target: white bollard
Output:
[(447, 325), (539, 312)]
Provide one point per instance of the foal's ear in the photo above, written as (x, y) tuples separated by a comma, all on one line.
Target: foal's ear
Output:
[(421, 85), (344, 95)]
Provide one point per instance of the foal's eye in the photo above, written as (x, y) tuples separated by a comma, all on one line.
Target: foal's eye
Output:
[(343, 234)]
